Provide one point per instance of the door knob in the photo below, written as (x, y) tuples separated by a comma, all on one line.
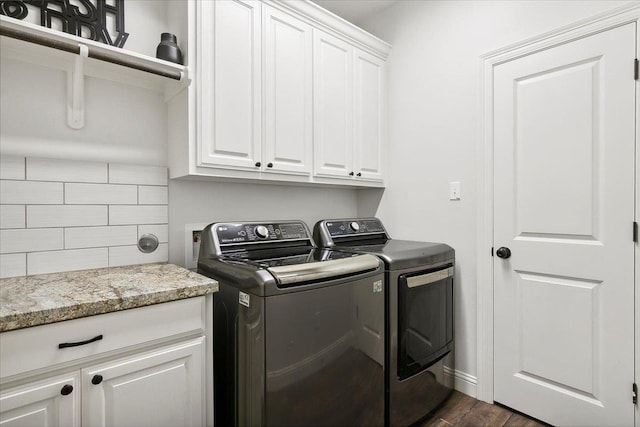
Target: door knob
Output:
[(503, 252), (97, 379)]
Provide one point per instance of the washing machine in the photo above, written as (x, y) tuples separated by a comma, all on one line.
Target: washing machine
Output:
[(298, 331)]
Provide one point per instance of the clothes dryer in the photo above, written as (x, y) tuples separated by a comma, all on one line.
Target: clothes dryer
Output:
[(419, 313)]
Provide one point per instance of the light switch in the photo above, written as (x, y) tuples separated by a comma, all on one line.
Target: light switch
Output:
[(454, 190)]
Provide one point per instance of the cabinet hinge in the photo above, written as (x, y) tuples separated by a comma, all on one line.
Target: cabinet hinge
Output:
[(635, 231), (634, 394), (636, 70)]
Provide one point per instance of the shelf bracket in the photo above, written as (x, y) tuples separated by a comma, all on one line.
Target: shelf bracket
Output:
[(75, 90)]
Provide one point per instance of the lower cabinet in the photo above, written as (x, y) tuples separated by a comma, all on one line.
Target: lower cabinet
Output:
[(51, 402), (162, 388), (150, 366)]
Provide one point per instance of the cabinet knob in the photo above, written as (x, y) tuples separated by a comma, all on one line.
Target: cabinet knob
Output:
[(66, 389), (269, 165), (97, 379), (351, 173), (258, 164), (359, 174)]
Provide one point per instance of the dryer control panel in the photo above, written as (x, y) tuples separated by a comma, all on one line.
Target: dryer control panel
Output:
[(353, 227)]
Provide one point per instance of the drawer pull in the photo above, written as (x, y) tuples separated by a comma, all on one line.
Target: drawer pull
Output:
[(97, 379), (66, 389), (76, 344)]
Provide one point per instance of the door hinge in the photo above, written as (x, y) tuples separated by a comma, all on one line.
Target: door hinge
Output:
[(636, 70), (635, 231), (634, 394)]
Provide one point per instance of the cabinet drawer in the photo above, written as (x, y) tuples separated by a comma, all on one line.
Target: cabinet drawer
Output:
[(33, 348)]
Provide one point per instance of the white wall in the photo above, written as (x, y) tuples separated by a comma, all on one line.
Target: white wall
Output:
[(195, 202), (434, 119), (123, 124)]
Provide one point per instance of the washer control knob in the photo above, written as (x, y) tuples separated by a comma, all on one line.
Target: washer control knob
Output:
[(354, 226), (261, 231)]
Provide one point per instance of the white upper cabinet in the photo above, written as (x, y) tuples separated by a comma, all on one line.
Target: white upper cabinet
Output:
[(368, 135), (288, 88), (348, 97), (229, 78), (333, 106), (284, 92)]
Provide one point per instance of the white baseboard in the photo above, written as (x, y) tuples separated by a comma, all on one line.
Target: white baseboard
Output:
[(463, 382)]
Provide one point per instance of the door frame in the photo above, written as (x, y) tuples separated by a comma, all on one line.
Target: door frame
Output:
[(614, 18)]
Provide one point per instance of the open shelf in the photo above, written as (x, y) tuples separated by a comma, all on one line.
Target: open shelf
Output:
[(54, 49)]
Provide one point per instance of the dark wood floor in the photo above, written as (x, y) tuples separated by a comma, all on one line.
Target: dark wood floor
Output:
[(464, 411)]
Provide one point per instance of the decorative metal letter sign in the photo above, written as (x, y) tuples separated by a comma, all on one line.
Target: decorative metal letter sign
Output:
[(85, 18)]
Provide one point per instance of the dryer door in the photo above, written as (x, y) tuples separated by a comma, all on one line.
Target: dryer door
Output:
[(425, 318)]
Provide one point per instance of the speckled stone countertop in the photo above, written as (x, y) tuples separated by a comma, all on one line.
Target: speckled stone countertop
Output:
[(47, 298)]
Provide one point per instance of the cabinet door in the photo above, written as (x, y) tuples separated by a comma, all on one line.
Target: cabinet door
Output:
[(333, 106), (368, 116), (229, 77), (160, 388), (288, 93), (42, 403)]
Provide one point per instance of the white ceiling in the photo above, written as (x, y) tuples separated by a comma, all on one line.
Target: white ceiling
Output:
[(355, 11)]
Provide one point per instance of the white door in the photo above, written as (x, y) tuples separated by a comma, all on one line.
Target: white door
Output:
[(368, 116), (161, 388), (564, 123), (288, 111), (47, 403), (333, 106), (229, 75)]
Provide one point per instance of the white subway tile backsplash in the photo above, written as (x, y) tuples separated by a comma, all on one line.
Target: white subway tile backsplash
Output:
[(133, 174), (12, 216), (11, 167), (30, 240), (100, 194), (160, 231), (66, 216), (13, 265), (29, 192), (128, 255), (65, 170), (67, 260), (152, 214), (156, 195), (95, 237)]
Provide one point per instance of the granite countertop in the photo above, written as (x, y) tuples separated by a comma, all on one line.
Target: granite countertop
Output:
[(36, 300)]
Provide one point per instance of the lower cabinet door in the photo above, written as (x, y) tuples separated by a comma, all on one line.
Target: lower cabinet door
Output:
[(50, 402), (164, 387)]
